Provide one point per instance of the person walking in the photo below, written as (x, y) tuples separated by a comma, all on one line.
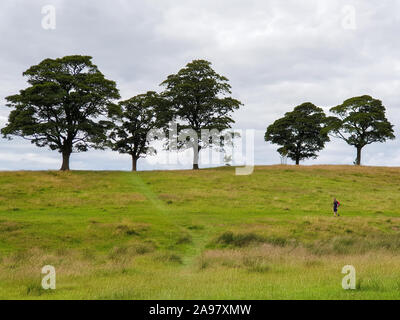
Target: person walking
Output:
[(336, 204)]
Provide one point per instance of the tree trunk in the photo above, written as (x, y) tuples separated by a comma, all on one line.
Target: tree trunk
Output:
[(65, 163), (134, 163), (196, 158), (358, 159), (298, 154)]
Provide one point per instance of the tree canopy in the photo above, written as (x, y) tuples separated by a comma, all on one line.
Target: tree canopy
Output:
[(300, 133), (133, 119), (69, 106), (361, 121), (199, 100), (60, 107)]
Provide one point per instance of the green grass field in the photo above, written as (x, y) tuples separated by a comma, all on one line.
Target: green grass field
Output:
[(201, 235)]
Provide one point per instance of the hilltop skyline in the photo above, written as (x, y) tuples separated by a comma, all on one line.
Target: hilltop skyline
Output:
[(276, 56)]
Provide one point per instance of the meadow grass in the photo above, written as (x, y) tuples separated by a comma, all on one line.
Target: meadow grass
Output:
[(204, 234)]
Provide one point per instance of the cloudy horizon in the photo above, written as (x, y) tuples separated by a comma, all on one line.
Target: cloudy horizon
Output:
[(276, 55)]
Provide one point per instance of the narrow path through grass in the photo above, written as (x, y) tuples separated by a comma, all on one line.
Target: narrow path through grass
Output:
[(198, 237)]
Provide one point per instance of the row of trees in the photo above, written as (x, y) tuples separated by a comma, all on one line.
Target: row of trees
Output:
[(303, 132), (70, 107)]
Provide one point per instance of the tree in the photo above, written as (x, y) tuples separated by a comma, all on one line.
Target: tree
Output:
[(301, 132), (361, 121), (133, 120), (60, 107), (198, 99)]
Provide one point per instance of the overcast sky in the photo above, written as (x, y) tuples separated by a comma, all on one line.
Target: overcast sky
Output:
[(276, 54)]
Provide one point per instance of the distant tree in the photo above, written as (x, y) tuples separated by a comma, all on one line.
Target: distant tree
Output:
[(300, 133), (198, 101), (60, 107), (361, 121), (133, 119)]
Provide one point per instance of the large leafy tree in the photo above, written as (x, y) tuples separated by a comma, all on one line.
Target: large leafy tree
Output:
[(361, 121), (133, 120), (301, 133), (199, 100), (60, 107)]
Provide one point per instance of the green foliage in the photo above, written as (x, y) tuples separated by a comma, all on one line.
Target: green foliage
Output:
[(60, 107), (198, 100), (361, 121), (301, 133), (132, 121)]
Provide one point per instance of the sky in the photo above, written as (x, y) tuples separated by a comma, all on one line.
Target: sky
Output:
[(276, 55)]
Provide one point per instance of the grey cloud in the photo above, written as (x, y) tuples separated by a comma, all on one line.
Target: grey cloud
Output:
[(277, 54)]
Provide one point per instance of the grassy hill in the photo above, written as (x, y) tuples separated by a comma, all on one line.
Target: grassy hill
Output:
[(201, 235)]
